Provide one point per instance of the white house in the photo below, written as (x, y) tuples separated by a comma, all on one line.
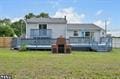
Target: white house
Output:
[(41, 33), (56, 27)]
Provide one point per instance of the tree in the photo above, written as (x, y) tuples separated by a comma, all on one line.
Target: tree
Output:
[(43, 15), (18, 26), (30, 15), (5, 21), (5, 30)]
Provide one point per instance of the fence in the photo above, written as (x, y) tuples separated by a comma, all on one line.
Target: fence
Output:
[(5, 42), (116, 42)]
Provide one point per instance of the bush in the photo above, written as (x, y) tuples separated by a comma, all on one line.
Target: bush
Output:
[(23, 47)]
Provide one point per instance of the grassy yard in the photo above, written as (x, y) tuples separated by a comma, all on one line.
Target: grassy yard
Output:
[(45, 65)]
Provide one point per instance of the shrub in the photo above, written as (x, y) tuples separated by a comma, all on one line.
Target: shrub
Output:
[(23, 47)]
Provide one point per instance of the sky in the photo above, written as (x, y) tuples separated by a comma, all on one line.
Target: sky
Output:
[(77, 11)]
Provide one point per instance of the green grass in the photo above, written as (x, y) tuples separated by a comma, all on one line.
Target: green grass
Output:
[(45, 65)]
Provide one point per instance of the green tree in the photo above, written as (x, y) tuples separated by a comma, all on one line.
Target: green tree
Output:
[(30, 15), (18, 27), (43, 15), (5, 21), (5, 30)]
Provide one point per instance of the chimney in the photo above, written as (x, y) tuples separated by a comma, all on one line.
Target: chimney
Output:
[(65, 17)]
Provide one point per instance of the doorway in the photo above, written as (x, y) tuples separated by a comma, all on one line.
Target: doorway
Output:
[(61, 48)]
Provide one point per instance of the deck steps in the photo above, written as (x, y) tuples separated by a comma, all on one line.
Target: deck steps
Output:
[(104, 46)]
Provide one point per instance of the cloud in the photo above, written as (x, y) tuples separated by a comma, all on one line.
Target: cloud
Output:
[(101, 23), (99, 12), (71, 15), (16, 19)]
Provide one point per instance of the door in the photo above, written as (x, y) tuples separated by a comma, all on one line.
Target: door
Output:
[(43, 29)]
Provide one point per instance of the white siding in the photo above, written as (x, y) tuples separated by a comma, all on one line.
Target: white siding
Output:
[(57, 29), (97, 34), (69, 33), (30, 26), (60, 30)]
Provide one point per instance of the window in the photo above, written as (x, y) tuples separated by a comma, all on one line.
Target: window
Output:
[(75, 33), (87, 34), (42, 26)]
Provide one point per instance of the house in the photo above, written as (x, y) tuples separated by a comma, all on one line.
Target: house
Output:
[(41, 33), (56, 27)]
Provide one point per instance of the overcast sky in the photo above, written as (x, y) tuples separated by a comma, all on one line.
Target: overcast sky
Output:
[(77, 11)]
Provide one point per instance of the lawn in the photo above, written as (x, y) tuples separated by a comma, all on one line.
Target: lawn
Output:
[(45, 65)]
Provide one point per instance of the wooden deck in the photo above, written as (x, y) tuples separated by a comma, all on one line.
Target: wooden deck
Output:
[(79, 43)]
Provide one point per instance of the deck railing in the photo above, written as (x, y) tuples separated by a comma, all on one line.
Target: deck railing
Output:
[(80, 40), (40, 33), (104, 43)]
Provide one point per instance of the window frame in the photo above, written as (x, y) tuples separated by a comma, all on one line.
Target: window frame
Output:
[(42, 26), (75, 33)]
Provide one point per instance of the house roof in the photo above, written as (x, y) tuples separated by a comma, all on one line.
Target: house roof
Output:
[(47, 20), (84, 26)]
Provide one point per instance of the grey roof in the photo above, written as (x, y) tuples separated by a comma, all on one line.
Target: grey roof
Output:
[(47, 20), (84, 26)]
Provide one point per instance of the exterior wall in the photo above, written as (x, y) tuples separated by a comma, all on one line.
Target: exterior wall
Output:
[(28, 27), (57, 29), (63, 30), (97, 34)]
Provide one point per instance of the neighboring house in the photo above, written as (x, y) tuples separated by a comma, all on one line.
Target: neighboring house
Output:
[(40, 33)]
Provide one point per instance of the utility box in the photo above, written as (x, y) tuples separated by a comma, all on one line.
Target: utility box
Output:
[(61, 46)]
